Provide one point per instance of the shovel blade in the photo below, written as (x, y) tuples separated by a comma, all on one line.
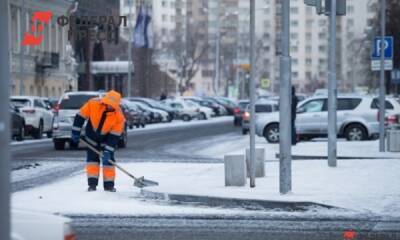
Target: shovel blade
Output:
[(142, 182)]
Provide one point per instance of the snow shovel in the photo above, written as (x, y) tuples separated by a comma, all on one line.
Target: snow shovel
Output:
[(140, 182)]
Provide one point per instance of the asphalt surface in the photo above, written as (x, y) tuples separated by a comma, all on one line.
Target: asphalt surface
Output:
[(156, 145)]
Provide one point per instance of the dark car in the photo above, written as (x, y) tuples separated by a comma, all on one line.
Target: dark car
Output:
[(228, 104), (17, 124), (151, 115), (134, 116), (212, 103), (238, 112), (157, 105)]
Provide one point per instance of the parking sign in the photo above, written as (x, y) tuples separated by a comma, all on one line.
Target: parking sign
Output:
[(388, 44), (376, 53)]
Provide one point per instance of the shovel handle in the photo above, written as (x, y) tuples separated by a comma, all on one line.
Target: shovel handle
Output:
[(110, 161)]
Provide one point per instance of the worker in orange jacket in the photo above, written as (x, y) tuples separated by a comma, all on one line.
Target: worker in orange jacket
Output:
[(105, 125)]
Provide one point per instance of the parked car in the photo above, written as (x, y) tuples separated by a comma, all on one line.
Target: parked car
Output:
[(157, 105), (261, 107), (151, 116), (203, 112), (205, 103), (357, 118), (228, 105), (38, 116), (134, 117), (66, 109), (220, 109), (29, 225), (186, 112), (159, 114), (238, 112), (17, 124)]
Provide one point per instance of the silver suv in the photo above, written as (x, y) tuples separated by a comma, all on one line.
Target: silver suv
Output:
[(357, 118), (65, 111)]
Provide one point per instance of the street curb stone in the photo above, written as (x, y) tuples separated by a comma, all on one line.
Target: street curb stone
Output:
[(249, 204)]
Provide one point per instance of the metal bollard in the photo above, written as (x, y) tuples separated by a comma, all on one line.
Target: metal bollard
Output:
[(235, 170)]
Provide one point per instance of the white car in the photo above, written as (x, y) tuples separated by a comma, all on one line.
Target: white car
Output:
[(28, 225), (37, 114), (204, 113), (186, 111), (357, 118)]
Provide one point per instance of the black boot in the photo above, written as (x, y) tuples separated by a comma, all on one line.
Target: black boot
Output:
[(92, 189), (110, 189)]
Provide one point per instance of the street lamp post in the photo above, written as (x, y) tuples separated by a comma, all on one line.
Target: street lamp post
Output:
[(4, 122), (332, 90), (130, 50), (217, 52), (285, 130), (382, 81)]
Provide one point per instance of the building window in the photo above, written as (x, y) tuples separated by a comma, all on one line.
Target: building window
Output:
[(308, 61), (164, 17), (294, 23), (294, 10), (164, 3), (350, 9)]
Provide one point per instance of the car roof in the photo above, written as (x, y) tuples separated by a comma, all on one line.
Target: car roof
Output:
[(84, 93), (264, 102), (25, 97)]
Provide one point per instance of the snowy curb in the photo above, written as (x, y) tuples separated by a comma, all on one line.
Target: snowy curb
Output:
[(249, 204)]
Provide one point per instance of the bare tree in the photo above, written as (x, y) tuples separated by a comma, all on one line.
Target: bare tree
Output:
[(187, 52)]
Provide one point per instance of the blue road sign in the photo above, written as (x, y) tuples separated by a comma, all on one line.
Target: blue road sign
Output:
[(395, 76), (388, 44)]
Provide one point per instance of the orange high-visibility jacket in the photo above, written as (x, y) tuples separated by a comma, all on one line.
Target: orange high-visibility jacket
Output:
[(112, 128)]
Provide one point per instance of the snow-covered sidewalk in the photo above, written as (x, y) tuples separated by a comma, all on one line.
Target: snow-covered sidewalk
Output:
[(233, 144), (364, 186)]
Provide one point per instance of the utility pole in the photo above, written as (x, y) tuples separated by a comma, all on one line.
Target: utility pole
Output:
[(332, 89), (22, 49), (217, 51), (5, 228), (252, 95), (130, 50), (382, 80), (285, 129)]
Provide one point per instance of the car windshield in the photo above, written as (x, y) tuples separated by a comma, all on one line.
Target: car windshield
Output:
[(20, 103), (75, 101)]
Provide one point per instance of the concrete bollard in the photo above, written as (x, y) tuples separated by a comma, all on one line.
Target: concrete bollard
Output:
[(235, 170), (260, 165)]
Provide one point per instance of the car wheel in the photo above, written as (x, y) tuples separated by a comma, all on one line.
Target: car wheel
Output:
[(356, 132), (202, 116), (235, 122), (21, 135), (130, 126), (38, 133), (49, 134), (143, 125), (59, 144), (186, 118), (271, 133), (244, 131)]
